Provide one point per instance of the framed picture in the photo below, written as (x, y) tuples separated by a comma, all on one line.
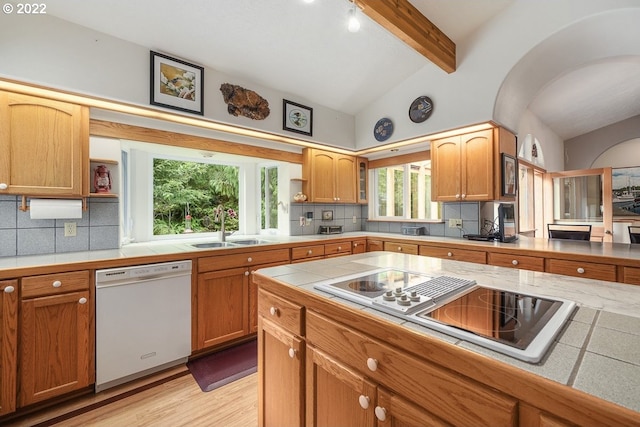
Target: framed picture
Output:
[(509, 175), (176, 84), (626, 191), (297, 118)]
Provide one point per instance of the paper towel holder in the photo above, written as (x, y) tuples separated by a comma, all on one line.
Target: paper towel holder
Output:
[(24, 207)]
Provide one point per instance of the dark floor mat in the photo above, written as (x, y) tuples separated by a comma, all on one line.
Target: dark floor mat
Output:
[(223, 367)]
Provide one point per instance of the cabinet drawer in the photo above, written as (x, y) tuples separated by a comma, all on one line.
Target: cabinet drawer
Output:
[(243, 260), (343, 248), (631, 275), (404, 248), (375, 245), (303, 252), (53, 284), (479, 257), (439, 391), (516, 261), (359, 246), (589, 270), (283, 313)]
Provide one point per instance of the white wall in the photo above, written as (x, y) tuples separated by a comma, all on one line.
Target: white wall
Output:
[(51, 52), (488, 57), (551, 144)]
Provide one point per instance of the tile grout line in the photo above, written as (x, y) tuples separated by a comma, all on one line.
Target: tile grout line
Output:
[(583, 351)]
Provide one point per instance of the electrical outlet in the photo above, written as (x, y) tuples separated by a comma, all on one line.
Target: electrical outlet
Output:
[(355, 220), (455, 223), (69, 229)]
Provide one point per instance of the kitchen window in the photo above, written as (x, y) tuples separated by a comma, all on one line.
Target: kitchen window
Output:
[(403, 192)]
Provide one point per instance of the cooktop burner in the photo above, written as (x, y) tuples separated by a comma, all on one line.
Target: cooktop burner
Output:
[(519, 325)]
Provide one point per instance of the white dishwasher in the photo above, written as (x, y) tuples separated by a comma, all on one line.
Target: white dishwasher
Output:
[(143, 321)]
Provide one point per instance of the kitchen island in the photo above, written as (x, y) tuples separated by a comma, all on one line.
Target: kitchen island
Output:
[(349, 360)]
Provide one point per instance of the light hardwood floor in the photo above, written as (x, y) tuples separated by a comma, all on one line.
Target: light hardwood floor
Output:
[(176, 403)]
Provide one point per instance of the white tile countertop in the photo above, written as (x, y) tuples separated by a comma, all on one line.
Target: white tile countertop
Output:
[(596, 352), (180, 247)]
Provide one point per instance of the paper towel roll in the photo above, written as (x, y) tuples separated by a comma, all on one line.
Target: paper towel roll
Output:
[(55, 208)]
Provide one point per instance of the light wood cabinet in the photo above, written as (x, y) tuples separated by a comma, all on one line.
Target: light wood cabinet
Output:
[(8, 345), (336, 394), (479, 257), (56, 341), (436, 390), (44, 146), (375, 245), (405, 248), (226, 307), (359, 246), (223, 306), (631, 275), (280, 347), (329, 177), (307, 253), (522, 262), (463, 167), (589, 270), (337, 249)]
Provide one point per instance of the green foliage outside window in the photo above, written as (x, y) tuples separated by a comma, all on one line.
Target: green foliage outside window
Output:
[(181, 188)]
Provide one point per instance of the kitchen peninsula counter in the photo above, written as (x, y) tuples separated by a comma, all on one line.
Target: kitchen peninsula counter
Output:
[(593, 361)]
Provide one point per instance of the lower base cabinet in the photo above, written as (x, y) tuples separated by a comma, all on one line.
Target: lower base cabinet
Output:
[(56, 355), (8, 345)]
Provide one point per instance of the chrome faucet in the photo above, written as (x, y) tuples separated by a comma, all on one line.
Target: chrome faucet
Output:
[(220, 217)]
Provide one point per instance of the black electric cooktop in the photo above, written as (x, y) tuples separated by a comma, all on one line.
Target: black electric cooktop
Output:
[(519, 325)]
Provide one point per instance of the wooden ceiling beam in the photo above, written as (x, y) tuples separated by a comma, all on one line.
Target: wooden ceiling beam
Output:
[(402, 19)]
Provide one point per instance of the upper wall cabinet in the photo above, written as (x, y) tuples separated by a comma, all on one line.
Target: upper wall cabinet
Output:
[(467, 167), (329, 177), (44, 146)]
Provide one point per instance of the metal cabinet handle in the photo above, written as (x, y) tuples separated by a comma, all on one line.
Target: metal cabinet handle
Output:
[(449, 254), (381, 413), (292, 352), (9, 289), (57, 284), (249, 259), (399, 248), (273, 311), (82, 300), (246, 273), (339, 248), (309, 252), (372, 364), (514, 262), (364, 401), (3, 186), (464, 196), (457, 196), (580, 270)]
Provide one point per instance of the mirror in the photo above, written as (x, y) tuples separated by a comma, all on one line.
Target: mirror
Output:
[(578, 198)]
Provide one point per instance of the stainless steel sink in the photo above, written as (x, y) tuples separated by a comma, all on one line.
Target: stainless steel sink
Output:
[(211, 245), (249, 242)]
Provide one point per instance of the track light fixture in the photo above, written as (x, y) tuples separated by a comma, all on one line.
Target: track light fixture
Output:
[(353, 24)]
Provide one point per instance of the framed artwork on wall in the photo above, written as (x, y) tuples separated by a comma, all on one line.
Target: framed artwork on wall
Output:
[(509, 175), (176, 84), (297, 118)]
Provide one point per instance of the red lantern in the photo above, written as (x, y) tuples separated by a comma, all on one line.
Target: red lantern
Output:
[(102, 179)]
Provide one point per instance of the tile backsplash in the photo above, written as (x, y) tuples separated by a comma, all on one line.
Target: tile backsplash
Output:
[(20, 235), (344, 214)]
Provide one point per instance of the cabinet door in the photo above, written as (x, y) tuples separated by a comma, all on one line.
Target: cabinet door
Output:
[(57, 131), (477, 166), (395, 411), (8, 345), (446, 163), (55, 346), (281, 386), (322, 178), (337, 395), (345, 179), (363, 171), (223, 307)]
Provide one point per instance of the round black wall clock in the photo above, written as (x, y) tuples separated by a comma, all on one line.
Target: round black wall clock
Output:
[(420, 109), (383, 129)]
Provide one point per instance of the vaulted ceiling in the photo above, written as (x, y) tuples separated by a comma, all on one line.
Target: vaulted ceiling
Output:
[(304, 49)]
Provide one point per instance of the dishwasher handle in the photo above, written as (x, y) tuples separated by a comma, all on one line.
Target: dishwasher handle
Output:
[(100, 285)]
